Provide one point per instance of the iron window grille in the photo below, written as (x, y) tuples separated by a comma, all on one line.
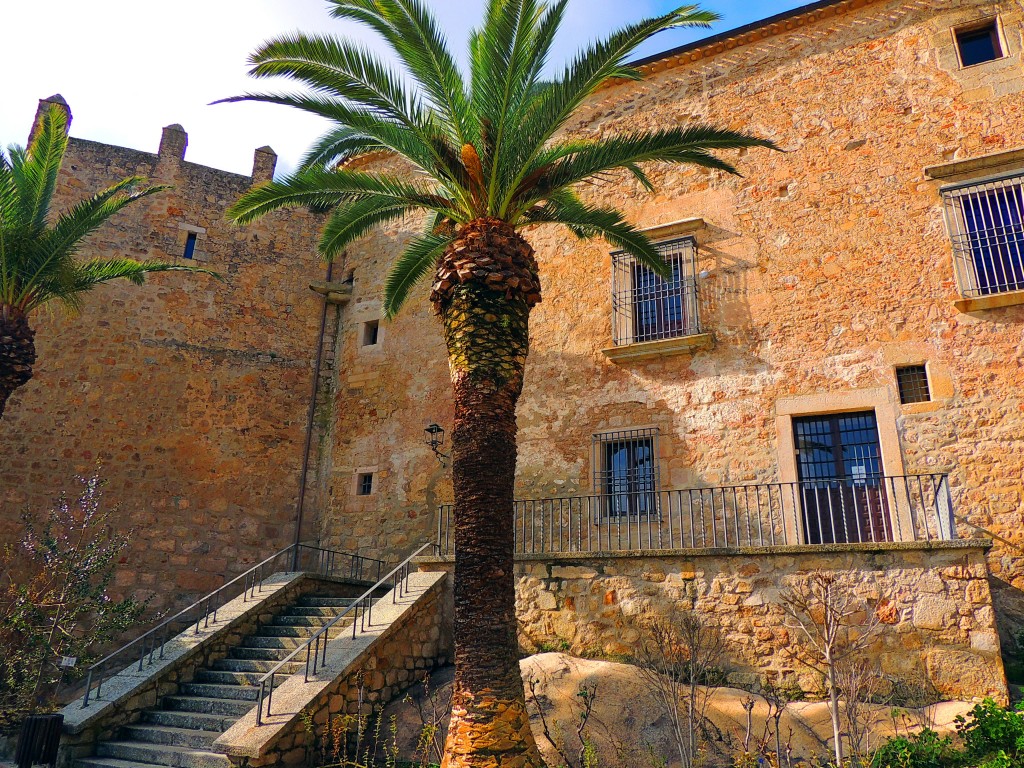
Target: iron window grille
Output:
[(986, 224), (364, 484), (648, 307), (913, 384), (626, 472)]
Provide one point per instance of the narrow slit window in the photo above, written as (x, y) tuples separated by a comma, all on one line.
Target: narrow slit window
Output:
[(371, 333), (190, 245), (364, 484), (913, 384), (977, 45)]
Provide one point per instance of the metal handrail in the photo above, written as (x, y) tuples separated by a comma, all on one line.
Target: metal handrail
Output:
[(362, 607), (868, 509), (153, 641)]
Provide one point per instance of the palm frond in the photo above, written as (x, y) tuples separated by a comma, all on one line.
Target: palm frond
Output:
[(326, 189), (587, 222), (35, 169), (418, 258), (351, 220), (339, 144)]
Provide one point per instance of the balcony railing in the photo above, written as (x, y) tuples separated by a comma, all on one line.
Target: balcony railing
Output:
[(864, 510)]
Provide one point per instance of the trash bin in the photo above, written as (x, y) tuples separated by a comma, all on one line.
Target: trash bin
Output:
[(39, 740)]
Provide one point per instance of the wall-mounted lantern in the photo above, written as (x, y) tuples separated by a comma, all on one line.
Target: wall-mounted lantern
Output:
[(435, 439)]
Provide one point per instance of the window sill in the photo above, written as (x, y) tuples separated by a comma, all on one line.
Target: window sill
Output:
[(993, 301), (651, 350)]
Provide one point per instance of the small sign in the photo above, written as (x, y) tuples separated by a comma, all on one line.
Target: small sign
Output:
[(68, 662)]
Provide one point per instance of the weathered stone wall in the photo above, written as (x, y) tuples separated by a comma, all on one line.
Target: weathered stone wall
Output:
[(825, 267), (418, 642), (937, 632), (190, 394)]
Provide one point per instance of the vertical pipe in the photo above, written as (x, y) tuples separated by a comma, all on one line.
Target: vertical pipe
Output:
[(310, 415)]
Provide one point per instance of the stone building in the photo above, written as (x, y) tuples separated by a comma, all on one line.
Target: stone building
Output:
[(831, 377)]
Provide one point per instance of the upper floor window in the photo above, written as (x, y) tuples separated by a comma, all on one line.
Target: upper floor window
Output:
[(986, 223), (648, 307), (977, 44)]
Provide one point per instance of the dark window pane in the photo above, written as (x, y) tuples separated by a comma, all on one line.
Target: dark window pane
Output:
[(979, 45), (190, 245), (913, 384)]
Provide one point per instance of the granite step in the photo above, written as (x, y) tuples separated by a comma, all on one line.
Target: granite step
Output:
[(199, 721), (160, 754), (225, 677), (303, 610), (108, 762), (254, 665), (214, 691), (207, 706), (175, 737), (301, 621), (283, 643), (315, 601), (258, 654)]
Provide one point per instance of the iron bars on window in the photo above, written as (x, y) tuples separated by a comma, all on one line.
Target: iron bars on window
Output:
[(648, 307), (986, 224)]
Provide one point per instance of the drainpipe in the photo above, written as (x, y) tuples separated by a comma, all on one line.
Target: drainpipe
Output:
[(310, 415)]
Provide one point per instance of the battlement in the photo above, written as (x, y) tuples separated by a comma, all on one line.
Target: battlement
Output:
[(173, 145)]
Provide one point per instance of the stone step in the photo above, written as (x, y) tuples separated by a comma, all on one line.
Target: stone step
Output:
[(225, 677), (315, 601), (285, 643), (280, 630), (207, 706), (254, 665), (303, 610), (213, 691), (159, 754), (198, 721), (175, 737), (259, 654), (108, 762), (301, 621)]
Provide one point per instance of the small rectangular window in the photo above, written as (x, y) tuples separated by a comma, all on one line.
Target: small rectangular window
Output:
[(913, 384), (978, 44), (364, 484), (190, 245), (626, 472), (986, 222), (371, 332)]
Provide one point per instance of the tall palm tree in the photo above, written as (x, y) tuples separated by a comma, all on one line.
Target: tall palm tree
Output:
[(485, 161), (38, 261)]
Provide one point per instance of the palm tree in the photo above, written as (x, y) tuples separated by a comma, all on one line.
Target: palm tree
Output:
[(37, 257), (485, 161)]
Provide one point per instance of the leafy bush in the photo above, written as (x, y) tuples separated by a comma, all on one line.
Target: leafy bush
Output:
[(55, 599), (920, 750)]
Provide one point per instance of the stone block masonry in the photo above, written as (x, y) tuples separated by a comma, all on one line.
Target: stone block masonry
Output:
[(188, 394), (937, 636)]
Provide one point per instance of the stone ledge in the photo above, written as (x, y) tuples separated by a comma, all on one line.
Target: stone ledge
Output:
[(785, 550), (675, 228), (975, 165), (651, 350), (995, 301)]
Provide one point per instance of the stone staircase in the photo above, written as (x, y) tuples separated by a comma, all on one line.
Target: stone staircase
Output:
[(181, 731)]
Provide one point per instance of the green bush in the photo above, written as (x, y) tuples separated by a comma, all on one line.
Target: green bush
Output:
[(920, 750)]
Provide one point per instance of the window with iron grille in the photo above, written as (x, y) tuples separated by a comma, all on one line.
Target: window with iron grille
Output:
[(648, 307), (913, 384), (986, 223), (626, 471), (364, 484)]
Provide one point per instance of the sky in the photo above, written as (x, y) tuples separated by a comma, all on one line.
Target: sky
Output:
[(129, 67)]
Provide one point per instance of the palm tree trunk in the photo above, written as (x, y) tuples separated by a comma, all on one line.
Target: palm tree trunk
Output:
[(486, 328), (17, 352)]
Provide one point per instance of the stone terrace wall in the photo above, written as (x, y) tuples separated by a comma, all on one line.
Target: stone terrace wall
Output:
[(937, 636), (190, 393), (825, 267)]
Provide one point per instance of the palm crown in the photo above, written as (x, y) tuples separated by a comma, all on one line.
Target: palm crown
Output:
[(485, 146), (38, 261)]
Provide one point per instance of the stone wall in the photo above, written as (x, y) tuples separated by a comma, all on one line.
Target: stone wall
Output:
[(823, 268), (188, 395), (937, 634)]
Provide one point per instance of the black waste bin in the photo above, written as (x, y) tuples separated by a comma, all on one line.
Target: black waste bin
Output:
[(39, 740)]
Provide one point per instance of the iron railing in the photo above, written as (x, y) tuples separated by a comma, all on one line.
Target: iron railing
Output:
[(986, 224), (869, 509), (648, 307), (315, 648), (148, 648)]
